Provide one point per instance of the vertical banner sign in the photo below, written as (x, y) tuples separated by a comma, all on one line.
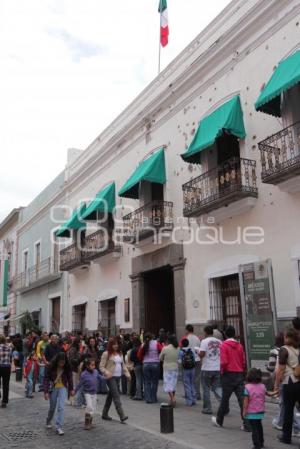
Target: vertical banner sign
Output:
[(259, 310), (4, 283)]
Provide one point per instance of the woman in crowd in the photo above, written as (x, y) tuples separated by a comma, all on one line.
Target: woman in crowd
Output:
[(75, 358), (272, 363), (57, 384), (149, 354), (288, 361), (169, 357), (113, 367), (91, 351), (138, 369), (5, 369)]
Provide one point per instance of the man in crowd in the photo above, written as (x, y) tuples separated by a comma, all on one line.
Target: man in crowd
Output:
[(51, 349), (194, 342), (233, 367), (211, 378), (40, 349)]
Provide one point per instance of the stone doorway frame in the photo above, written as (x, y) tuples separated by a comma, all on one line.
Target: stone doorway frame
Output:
[(171, 255)]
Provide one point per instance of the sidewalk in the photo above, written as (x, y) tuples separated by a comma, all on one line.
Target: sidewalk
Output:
[(192, 429)]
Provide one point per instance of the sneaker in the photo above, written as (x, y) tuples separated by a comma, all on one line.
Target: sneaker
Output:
[(277, 427), (207, 412), (215, 422), (48, 426), (124, 418), (60, 432)]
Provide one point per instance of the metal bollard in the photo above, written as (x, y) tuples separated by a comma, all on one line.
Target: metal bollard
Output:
[(166, 418), (19, 374)]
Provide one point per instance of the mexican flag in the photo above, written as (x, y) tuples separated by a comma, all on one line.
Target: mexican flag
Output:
[(164, 25)]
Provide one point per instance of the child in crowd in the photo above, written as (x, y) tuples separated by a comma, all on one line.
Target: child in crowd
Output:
[(254, 405), (187, 359), (89, 383), (31, 373)]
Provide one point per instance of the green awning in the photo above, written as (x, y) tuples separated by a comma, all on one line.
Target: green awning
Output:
[(151, 169), (104, 201), (285, 76), (228, 117), (75, 222)]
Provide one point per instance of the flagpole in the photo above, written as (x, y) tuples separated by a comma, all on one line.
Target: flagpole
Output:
[(159, 38)]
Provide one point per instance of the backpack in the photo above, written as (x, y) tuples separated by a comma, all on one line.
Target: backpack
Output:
[(188, 359)]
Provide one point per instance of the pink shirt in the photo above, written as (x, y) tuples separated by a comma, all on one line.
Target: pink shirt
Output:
[(257, 396)]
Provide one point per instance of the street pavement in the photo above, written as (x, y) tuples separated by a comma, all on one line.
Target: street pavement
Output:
[(22, 425)]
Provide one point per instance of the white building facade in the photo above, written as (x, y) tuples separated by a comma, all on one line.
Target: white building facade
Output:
[(40, 287), (216, 211)]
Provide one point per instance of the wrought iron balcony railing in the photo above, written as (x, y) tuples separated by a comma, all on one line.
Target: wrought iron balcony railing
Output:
[(99, 244), (71, 257), (280, 155), (38, 274), (154, 217), (232, 180)]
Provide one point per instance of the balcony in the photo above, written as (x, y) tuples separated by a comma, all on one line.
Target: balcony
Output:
[(155, 219), (43, 273), (280, 159), (71, 258), (228, 189), (98, 245)]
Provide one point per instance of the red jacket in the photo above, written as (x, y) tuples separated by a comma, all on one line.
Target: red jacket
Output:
[(232, 357), (28, 366)]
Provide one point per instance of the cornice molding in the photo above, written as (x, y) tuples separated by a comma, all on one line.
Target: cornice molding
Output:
[(220, 46), (103, 159), (115, 141), (56, 199)]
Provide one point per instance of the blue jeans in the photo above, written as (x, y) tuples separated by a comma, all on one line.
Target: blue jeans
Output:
[(211, 381), (188, 377), (79, 398), (57, 398), (29, 387), (41, 378), (138, 370), (151, 373)]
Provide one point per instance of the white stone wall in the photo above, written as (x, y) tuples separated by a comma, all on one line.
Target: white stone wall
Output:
[(235, 55)]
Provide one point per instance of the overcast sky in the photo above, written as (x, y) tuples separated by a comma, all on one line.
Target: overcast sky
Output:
[(68, 68)]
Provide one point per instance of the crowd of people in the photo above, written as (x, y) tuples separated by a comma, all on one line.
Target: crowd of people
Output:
[(72, 367)]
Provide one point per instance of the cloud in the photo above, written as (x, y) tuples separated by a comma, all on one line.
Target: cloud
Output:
[(78, 48), (68, 68)]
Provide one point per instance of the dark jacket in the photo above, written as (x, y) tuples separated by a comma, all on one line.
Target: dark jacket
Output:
[(134, 356), (51, 375), (51, 351), (75, 358)]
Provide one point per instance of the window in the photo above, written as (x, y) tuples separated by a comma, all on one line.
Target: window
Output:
[(55, 253), (78, 318), (25, 261), (35, 315), (37, 254), (126, 310)]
